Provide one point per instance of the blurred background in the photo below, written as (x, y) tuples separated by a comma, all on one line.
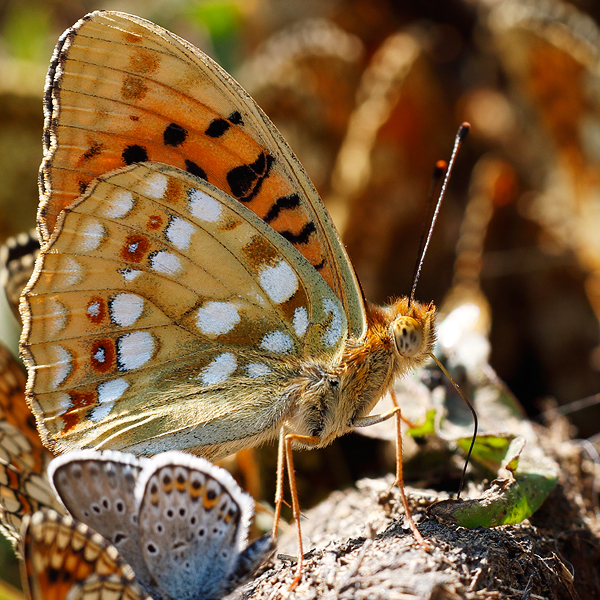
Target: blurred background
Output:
[(369, 94)]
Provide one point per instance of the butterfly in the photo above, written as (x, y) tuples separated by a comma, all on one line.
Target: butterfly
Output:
[(63, 558), (191, 291), (17, 258), (24, 487), (178, 521)]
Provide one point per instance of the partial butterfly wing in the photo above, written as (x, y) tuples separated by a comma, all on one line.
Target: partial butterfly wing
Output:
[(23, 460), (13, 404), (179, 521), (193, 524), (65, 559), (24, 488), (98, 490), (17, 257), (158, 290), (122, 90)]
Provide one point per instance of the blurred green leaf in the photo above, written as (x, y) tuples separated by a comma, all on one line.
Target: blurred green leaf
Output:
[(489, 450), (221, 18), (425, 428), (26, 31)]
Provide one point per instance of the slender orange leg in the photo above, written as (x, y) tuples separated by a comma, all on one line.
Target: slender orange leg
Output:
[(308, 440), (373, 419), (285, 452), (395, 401), (400, 482), (279, 485)]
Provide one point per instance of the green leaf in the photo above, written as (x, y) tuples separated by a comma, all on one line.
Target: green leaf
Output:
[(489, 450), (425, 428), (507, 501)]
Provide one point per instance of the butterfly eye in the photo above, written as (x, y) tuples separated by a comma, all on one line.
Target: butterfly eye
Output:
[(408, 335)]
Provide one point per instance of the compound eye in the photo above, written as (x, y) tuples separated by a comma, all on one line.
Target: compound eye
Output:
[(408, 335)]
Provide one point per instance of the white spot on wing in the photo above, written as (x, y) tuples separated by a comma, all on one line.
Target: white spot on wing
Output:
[(179, 233), (93, 309), (56, 314), (118, 204), (134, 350), (91, 236), (258, 370), (108, 392), (61, 367), (165, 262), (64, 403), (300, 321), (334, 330), (279, 281), (219, 369), (72, 271), (154, 185), (126, 309), (216, 318), (100, 355), (129, 274), (203, 207), (277, 341)]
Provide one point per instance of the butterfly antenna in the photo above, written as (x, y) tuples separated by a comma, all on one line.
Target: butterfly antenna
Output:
[(438, 172), (461, 135), (475, 421)]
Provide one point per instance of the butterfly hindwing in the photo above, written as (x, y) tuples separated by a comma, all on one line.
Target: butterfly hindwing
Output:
[(23, 484), (122, 90), (98, 490), (159, 278), (23, 460), (179, 521), (63, 559), (193, 522)]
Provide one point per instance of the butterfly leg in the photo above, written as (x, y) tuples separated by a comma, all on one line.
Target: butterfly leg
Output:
[(285, 452), (372, 420), (279, 483)]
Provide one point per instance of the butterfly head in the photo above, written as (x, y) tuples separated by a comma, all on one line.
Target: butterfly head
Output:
[(407, 333), (411, 331)]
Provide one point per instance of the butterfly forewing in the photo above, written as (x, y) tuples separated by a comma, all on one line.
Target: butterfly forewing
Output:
[(17, 257), (123, 90), (157, 283)]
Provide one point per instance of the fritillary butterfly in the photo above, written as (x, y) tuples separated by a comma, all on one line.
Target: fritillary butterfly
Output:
[(23, 460), (63, 558), (192, 291)]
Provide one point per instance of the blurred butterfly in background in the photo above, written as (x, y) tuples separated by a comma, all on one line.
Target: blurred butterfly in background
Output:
[(191, 291), (178, 521)]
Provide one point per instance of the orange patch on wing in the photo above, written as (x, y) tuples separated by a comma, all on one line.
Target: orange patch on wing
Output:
[(210, 500), (96, 310), (154, 222), (102, 355), (79, 401), (135, 248)]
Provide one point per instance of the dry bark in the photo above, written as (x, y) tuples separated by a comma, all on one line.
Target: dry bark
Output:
[(361, 549)]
